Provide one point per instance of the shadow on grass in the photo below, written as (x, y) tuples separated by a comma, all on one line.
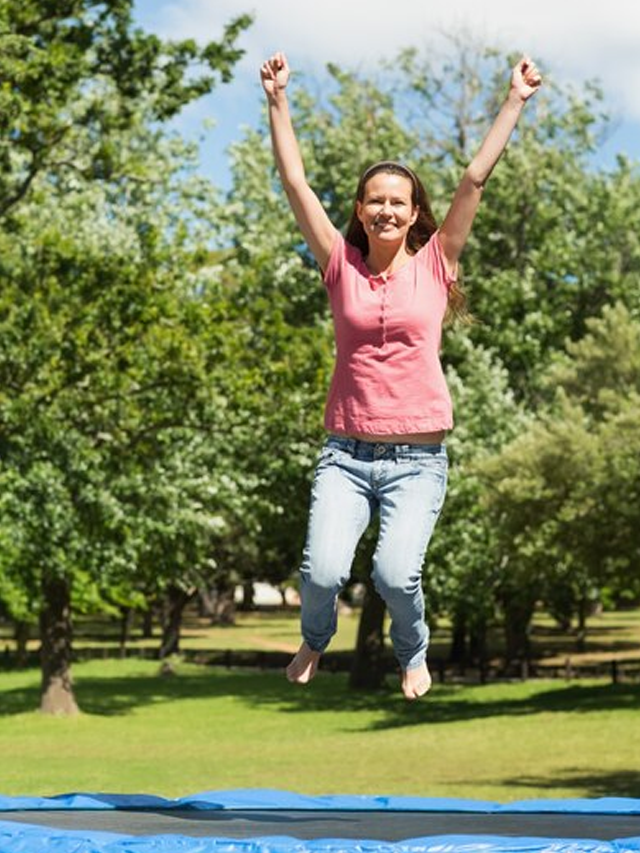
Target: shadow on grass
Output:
[(446, 705), (616, 783), (119, 695), (21, 700)]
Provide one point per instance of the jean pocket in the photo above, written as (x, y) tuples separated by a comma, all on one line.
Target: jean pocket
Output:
[(326, 457), (438, 466)]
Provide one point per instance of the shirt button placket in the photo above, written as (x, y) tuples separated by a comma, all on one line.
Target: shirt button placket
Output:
[(383, 313)]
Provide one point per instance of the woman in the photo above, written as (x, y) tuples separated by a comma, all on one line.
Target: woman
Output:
[(390, 282)]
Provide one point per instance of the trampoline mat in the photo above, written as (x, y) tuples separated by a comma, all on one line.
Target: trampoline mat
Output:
[(265, 821), (386, 826)]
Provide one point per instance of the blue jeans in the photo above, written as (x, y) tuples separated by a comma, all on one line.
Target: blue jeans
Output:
[(406, 485)]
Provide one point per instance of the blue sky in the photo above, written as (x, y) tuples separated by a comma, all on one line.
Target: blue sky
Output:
[(573, 40)]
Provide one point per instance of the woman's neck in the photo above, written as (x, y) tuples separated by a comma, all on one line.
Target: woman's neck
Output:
[(384, 260)]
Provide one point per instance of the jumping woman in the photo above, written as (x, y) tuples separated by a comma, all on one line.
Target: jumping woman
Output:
[(390, 280)]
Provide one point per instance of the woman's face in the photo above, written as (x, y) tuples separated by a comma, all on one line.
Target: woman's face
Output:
[(387, 210)]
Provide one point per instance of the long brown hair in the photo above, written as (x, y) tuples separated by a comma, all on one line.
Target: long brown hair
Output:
[(419, 233)]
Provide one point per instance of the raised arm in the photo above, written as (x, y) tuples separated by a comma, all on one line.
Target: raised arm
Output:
[(312, 219), (454, 231)]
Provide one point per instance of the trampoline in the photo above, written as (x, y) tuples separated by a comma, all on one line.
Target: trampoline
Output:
[(281, 822)]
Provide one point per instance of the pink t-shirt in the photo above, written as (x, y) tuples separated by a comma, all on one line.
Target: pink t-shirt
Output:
[(388, 379)]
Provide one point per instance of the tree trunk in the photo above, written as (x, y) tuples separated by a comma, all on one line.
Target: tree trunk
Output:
[(206, 602), (176, 600), (518, 612), (581, 633), (478, 642), (458, 649), (367, 671), (21, 632), (247, 597), (225, 607), (56, 639), (126, 618), (147, 621)]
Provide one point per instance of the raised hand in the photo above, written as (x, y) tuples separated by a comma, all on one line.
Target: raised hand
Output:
[(525, 78), (274, 73)]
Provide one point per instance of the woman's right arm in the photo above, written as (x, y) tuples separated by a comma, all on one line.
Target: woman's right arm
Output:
[(316, 227)]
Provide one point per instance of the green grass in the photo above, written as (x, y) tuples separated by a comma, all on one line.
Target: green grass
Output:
[(215, 729)]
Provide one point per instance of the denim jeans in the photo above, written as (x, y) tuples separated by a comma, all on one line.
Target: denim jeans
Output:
[(405, 484)]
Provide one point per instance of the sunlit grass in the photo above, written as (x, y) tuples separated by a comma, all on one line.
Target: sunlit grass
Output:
[(207, 729)]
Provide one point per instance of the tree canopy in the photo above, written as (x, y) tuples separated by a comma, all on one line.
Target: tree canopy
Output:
[(105, 352), (165, 350)]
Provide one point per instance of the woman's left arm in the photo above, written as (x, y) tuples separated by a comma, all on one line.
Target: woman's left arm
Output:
[(454, 231)]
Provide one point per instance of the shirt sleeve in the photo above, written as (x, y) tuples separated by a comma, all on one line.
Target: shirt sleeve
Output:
[(336, 262), (433, 257)]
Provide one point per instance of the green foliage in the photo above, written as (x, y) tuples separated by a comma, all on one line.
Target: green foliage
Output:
[(563, 496), (79, 66), (105, 355), (462, 572), (96, 360)]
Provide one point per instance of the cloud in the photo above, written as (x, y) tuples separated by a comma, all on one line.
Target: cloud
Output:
[(572, 41), (579, 41)]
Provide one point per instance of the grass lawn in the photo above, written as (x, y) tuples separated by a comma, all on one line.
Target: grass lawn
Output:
[(216, 729)]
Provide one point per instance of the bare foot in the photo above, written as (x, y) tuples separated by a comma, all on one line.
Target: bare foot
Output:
[(303, 666), (416, 682)]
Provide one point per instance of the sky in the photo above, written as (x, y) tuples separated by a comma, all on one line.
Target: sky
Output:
[(571, 40)]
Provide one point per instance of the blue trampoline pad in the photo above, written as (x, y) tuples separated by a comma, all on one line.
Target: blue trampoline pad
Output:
[(282, 822)]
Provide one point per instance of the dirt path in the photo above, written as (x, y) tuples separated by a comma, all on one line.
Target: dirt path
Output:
[(272, 645)]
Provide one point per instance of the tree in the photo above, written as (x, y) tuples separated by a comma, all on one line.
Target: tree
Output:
[(93, 376), (76, 74), (563, 496), (101, 372), (462, 572)]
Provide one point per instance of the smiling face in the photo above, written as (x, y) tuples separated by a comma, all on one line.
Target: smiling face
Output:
[(387, 210)]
